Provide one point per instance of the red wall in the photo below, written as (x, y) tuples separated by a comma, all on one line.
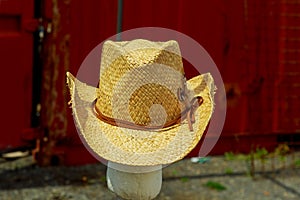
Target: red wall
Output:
[(16, 47)]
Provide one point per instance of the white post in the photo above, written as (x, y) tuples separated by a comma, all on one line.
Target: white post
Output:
[(134, 182)]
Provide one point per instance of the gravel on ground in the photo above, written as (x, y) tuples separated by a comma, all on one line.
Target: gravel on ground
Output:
[(218, 178)]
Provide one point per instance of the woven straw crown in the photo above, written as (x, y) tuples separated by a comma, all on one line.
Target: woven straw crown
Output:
[(135, 76)]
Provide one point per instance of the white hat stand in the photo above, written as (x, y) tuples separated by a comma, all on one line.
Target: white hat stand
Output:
[(134, 182)]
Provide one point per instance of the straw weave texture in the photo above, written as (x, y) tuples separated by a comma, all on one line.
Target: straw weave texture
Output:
[(135, 75)]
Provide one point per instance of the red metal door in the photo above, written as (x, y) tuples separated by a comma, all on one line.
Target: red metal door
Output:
[(16, 47), (254, 44)]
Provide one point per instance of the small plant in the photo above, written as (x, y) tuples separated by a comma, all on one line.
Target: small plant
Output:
[(297, 163), (242, 156), (252, 164), (215, 185), (229, 156), (282, 150), (228, 171), (103, 179), (262, 155), (175, 172), (184, 179)]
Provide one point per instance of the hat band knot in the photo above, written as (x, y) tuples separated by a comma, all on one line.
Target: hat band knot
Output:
[(188, 114)]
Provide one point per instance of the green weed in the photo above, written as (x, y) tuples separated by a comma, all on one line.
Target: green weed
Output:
[(228, 171), (215, 185), (297, 163)]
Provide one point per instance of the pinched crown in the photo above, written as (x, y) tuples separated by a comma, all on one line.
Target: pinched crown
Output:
[(140, 80)]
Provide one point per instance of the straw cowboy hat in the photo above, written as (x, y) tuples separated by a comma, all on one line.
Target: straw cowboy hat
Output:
[(143, 112)]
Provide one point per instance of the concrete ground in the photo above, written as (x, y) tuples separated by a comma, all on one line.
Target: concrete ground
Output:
[(218, 177)]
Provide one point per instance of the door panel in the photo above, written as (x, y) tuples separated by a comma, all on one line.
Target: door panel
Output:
[(16, 47)]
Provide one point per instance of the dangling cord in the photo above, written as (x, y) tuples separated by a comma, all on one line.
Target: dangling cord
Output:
[(194, 104)]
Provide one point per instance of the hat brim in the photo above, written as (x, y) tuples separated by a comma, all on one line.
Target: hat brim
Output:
[(138, 147)]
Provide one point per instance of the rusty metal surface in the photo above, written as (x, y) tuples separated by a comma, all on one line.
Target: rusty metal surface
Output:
[(54, 94), (77, 27)]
